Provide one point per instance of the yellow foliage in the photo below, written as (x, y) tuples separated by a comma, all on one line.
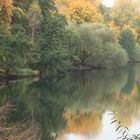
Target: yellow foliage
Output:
[(58, 1), (97, 2), (81, 11), (125, 11)]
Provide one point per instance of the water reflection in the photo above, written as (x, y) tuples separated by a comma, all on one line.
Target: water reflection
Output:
[(71, 108)]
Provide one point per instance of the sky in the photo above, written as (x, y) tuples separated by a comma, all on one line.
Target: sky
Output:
[(108, 3)]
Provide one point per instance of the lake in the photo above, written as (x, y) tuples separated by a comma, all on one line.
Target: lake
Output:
[(80, 106)]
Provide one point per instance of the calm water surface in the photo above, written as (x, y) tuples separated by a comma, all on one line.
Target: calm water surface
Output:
[(75, 107)]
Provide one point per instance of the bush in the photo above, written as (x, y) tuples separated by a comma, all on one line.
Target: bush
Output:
[(100, 47)]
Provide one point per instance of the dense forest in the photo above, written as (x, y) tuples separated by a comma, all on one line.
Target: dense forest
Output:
[(49, 37)]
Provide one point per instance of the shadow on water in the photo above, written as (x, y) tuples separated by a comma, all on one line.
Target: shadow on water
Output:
[(49, 109)]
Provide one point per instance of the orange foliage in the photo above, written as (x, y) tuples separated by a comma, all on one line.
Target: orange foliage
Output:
[(83, 123), (6, 11), (114, 27)]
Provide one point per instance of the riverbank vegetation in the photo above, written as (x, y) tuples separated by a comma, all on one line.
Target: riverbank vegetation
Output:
[(54, 37)]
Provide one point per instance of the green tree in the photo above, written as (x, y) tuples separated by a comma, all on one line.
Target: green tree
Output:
[(136, 24), (100, 47), (47, 6), (106, 12), (54, 53), (128, 43)]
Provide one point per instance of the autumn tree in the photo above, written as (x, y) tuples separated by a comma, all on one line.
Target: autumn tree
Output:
[(124, 11), (81, 11), (114, 27), (5, 12), (96, 2)]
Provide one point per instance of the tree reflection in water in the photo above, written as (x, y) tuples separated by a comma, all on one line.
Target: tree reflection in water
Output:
[(51, 108)]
